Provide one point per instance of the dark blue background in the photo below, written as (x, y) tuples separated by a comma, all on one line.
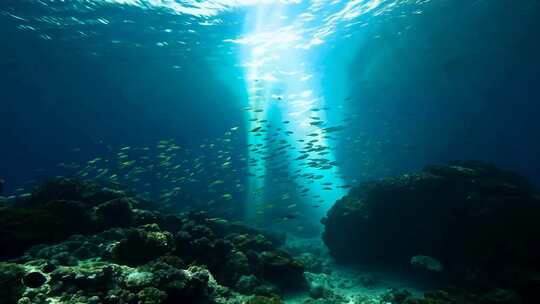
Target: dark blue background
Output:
[(462, 83)]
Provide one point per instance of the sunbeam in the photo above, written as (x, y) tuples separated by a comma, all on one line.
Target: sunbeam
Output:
[(283, 93)]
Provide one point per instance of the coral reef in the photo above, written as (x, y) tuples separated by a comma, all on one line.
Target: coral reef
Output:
[(468, 226), (11, 281), (60, 208), (494, 296), (74, 242), (469, 223)]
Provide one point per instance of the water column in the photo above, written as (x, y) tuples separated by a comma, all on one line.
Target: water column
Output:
[(278, 64)]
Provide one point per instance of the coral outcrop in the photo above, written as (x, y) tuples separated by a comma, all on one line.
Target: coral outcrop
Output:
[(467, 222), (74, 242)]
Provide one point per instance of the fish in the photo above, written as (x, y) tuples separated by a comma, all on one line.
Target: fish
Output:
[(303, 156), (217, 182), (333, 129), (427, 263), (217, 220), (289, 216)]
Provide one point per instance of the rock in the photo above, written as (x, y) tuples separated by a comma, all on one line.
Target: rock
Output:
[(70, 252), (151, 295), (247, 284), (500, 296), (310, 262), (317, 291), (81, 245), (58, 209), (142, 245), (95, 195), (138, 279), (469, 215), (395, 296), (267, 290), (90, 277), (229, 255), (198, 286), (426, 263), (264, 300), (279, 268), (368, 281), (48, 267), (146, 217), (34, 279), (115, 213), (257, 242), (320, 286), (237, 261), (172, 223), (449, 296), (59, 189), (45, 223), (11, 281), (366, 299)]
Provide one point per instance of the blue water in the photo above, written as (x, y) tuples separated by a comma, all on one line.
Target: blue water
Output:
[(409, 83)]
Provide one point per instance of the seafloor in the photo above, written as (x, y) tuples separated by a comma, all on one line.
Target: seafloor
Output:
[(465, 232)]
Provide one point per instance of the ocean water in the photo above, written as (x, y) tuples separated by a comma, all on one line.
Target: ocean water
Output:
[(405, 83), (410, 83), (275, 105), (263, 111)]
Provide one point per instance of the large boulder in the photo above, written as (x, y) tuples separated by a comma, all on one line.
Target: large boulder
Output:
[(480, 222), (231, 251), (142, 245), (23, 227), (11, 280), (279, 268), (60, 208)]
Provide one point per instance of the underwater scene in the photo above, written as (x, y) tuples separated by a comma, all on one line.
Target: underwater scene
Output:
[(270, 152)]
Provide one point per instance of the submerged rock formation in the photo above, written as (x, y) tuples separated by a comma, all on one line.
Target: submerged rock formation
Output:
[(480, 222), (74, 242), (77, 242), (60, 208)]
